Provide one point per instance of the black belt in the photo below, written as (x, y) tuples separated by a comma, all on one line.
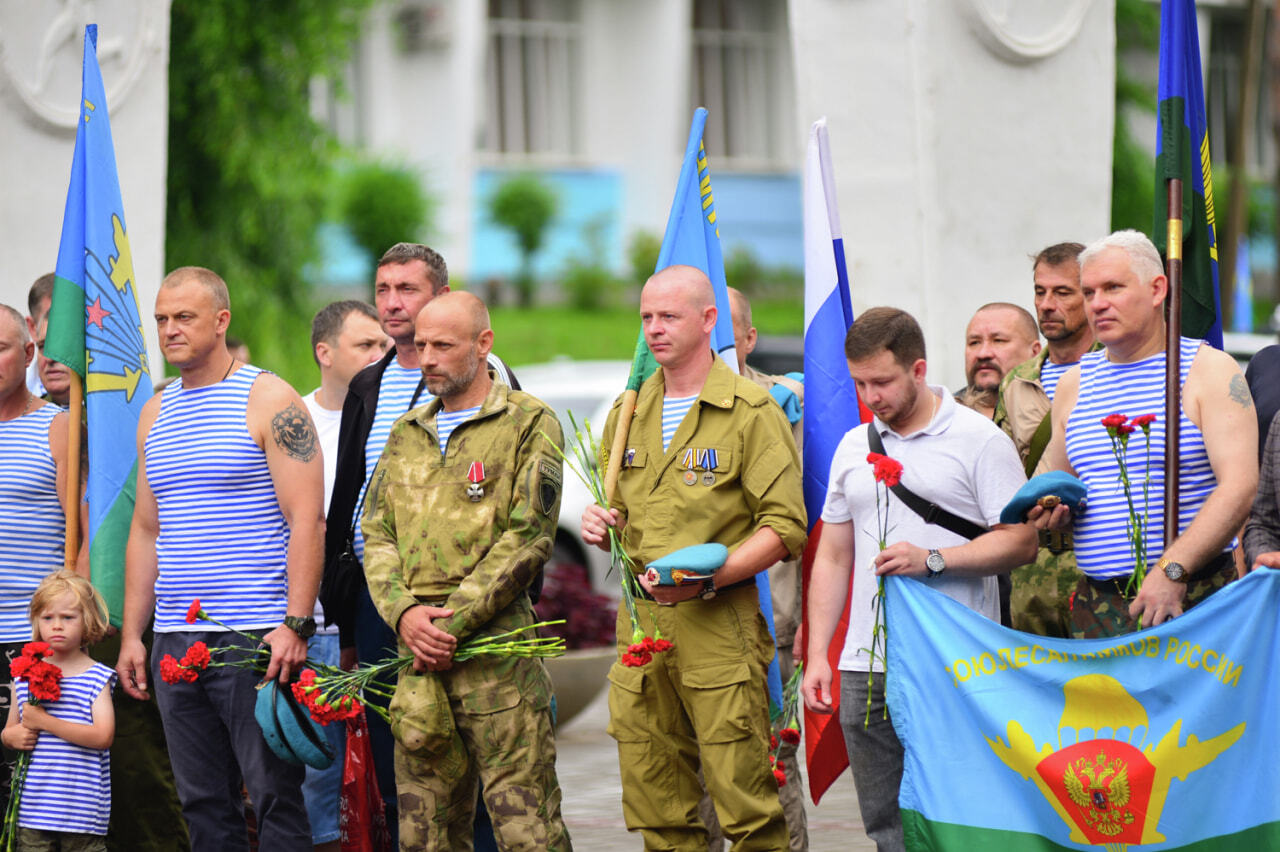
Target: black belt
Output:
[(1056, 541), (750, 581), (1119, 584)]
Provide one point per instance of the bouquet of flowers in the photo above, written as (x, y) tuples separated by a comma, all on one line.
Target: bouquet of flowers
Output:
[(786, 723), (333, 694), (887, 473), (1119, 428), (581, 459), (43, 684)]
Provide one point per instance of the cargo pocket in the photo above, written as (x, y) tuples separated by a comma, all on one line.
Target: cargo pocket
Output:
[(421, 720), (718, 701), (628, 714)]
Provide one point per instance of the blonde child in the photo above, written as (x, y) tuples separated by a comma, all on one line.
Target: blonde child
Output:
[(66, 799)]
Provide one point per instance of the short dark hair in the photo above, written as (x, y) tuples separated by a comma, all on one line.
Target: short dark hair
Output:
[(437, 269), (328, 321), (42, 289), (1058, 254), (881, 329)]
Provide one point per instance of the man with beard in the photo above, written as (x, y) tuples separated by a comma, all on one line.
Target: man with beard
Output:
[(1041, 598), (999, 337), (950, 457), (460, 517)]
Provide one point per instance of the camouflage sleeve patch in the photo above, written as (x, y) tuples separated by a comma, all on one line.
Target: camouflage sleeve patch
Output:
[(549, 482)]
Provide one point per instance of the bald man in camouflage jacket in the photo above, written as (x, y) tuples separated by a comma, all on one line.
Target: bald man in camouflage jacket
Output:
[(461, 516)]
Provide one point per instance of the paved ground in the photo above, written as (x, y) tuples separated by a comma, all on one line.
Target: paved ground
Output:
[(587, 763)]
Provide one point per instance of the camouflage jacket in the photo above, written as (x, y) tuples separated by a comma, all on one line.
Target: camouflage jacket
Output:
[(426, 539), (669, 500)]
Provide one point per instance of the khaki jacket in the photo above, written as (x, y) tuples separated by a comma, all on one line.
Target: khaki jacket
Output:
[(755, 483), (1022, 405), (427, 540)]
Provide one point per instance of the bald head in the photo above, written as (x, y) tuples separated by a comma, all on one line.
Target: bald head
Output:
[(688, 282), (744, 334), (13, 323), (677, 314), (458, 309), (207, 279)]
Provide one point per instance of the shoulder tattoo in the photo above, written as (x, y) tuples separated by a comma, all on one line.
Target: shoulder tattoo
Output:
[(293, 433), (1239, 391)]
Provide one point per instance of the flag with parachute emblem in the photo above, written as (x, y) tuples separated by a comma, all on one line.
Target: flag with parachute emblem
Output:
[(95, 328)]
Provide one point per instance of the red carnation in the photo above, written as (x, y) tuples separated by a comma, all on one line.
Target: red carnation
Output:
[(874, 458), (1114, 421), (1124, 429), (790, 735), (662, 645), (773, 742), (648, 644), (194, 612), (197, 656), (637, 648), (36, 649), (887, 470), (171, 671), (780, 777), (20, 666), (1144, 421), (45, 686)]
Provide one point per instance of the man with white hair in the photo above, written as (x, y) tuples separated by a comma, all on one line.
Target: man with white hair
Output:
[(1124, 288)]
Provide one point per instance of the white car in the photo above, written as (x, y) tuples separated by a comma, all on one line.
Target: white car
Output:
[(588, 389)]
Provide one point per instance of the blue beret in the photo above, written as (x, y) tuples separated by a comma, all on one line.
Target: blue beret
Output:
[(687, 565), (1060, 484), (289, 730)]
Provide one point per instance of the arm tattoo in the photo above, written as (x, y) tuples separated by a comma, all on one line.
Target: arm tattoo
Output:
[(293, 433), (1239, 391)]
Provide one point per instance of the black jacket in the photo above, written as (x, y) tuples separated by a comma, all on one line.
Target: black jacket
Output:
[(339, 595)]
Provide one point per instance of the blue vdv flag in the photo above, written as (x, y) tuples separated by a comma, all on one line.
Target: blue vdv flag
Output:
[(1182, 151), (1161, 739), (95, 328)]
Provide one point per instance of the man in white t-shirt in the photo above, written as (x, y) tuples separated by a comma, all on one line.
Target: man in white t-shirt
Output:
[(345, 338), (951, 456)]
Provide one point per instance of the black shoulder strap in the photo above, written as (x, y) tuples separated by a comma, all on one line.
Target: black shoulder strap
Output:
[(1039, 441), (931, 512)]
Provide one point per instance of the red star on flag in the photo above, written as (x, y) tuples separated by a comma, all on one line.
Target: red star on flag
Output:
[(97, 313)]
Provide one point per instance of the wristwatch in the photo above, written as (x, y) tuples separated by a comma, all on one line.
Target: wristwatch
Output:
[(708, 590), (1175, 571), (935, 563), (303, 625)]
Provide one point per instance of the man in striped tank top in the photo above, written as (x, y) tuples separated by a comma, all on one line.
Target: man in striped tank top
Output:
[(33, 440), (1124, 286), (229, 494), (461, 516)]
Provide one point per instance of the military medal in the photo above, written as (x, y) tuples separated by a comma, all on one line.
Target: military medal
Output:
[(707, 460), (690, 477), (708, 478), (475, 475)]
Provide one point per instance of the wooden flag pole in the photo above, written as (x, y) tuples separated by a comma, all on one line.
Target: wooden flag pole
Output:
[(621, 432), (1173, 366), (73, 471)]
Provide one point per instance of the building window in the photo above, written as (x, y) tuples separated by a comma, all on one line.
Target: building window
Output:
[(741, 72), (531, 88)]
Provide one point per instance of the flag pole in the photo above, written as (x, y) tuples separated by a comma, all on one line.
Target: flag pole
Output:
[(1173, 351), (73, 471)]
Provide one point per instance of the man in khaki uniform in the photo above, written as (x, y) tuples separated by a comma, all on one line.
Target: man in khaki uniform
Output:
[(460, 518), (728, 473), (1041, 598), (1000, 336)]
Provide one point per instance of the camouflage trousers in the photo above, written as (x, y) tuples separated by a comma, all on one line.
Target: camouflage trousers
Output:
[(1101, 607), (486, 721), (702, 704), (1040, 601)]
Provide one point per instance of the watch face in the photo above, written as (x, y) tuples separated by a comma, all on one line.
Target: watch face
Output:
[(935, 563), (1175, 571)]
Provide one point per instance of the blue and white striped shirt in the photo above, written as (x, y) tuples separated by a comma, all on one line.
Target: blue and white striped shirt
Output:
[(394, 395), (1101, 533), (447, 421), (68, 787), (222, 536), (32, 524), (673, 411), (1050, 373)]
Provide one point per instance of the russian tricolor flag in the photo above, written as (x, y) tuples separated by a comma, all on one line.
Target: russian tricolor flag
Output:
[(831, 409)]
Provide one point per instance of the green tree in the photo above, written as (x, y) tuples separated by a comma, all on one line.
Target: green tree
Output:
[(382, 204), (249, 168), (526, 206), (1132, 164)]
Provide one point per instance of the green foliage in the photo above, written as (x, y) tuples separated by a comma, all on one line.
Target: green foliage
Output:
[(249, 168), (383, 204), (587, 280), (642, 254), (1132, 165), (525, 205)]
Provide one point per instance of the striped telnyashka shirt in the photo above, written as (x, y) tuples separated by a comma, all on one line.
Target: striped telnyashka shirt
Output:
[(394, 395), (32, 524), (222, 535), (1101, 533)]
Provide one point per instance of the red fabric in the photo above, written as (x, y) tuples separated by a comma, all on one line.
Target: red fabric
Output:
[(362, 819), (824, 751)]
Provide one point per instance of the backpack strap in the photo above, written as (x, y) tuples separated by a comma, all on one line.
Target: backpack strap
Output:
[(1039, 441), (931, 512)]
